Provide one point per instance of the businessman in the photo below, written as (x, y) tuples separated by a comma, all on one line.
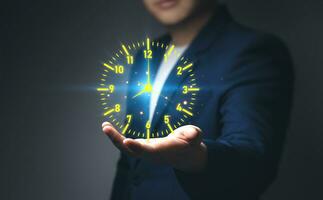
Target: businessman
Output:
[(232, 149)]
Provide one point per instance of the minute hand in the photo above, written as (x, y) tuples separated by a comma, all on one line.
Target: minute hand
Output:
[(148, 73), (148, 87)]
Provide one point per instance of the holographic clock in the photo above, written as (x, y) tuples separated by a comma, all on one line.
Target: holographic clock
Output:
[(139, 61)]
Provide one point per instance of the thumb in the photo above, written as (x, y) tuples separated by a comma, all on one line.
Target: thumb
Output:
[(191, 134)]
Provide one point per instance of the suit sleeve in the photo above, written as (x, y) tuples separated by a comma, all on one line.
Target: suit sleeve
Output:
[(121, 180), (254, 112)]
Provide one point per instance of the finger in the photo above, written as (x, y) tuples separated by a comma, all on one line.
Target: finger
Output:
[(197, 128), (114, 135), (191, 134), (106, 124)]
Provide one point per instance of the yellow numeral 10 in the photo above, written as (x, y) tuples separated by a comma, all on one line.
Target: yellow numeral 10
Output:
[(119, 69)]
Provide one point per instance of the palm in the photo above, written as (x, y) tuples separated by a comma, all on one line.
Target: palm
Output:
[(176, 149)]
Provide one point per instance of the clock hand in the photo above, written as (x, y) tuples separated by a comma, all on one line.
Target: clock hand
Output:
[(139, 93), (148, 86), (147, 89), (148, 72)]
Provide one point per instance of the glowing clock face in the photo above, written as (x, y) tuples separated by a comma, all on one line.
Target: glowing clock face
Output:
[(129, 75)]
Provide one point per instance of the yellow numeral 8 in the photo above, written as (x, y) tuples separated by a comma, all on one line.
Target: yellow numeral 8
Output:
[(117, 107)]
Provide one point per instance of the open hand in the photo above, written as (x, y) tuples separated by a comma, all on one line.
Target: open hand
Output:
[(183, 149)]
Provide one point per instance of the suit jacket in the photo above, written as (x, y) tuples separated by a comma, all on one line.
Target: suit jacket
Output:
[(246, 79)]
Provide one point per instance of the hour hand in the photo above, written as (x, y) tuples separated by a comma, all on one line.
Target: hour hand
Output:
[(139, 93), (147, 88)]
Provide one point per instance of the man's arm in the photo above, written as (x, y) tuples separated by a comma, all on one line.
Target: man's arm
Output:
[(121, 180), (254, 116)]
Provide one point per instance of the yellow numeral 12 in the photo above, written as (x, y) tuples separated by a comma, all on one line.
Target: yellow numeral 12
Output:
[(148, 53)]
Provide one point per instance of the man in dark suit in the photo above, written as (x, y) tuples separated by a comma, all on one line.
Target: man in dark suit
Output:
[(247, 80)]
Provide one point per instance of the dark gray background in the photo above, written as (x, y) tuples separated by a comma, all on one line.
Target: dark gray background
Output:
[(51, 143)]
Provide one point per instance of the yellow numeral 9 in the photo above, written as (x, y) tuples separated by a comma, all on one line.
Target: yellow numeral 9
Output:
[(111, 88)]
